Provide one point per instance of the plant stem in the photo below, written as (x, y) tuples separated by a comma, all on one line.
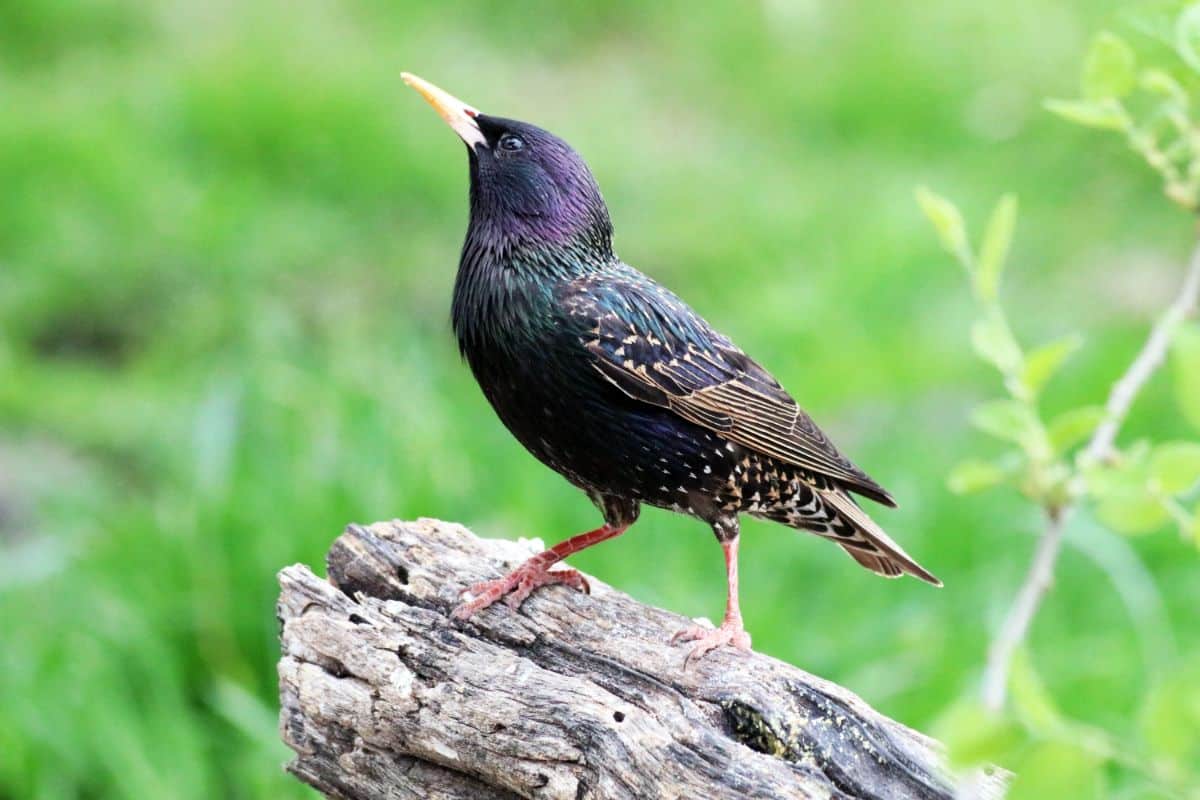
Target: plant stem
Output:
[(1152, 354), (1041, 571), (1021, 613)]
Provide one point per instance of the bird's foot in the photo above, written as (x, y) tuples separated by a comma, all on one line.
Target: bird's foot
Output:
[(517, 585), (707, 638)]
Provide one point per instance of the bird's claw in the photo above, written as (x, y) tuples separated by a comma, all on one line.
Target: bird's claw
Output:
[(707, 638), (516, 586)]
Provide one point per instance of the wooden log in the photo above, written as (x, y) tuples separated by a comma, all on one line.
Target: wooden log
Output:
[(384, 695)]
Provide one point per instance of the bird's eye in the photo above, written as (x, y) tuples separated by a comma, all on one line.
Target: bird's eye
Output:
[(511, 143)]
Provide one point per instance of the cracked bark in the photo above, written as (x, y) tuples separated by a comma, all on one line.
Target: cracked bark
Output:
[(384, 696)]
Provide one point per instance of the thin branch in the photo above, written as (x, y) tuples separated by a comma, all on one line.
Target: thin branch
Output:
[(1041, 572), (1151, 357), (1021, 613)]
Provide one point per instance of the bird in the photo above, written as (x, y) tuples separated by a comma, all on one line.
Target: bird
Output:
[(610, 379)]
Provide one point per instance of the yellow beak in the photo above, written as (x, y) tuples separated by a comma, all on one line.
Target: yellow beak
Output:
[(458, 115)]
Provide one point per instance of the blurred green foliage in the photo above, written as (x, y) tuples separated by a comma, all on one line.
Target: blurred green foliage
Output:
[(1132, 489), (227, 239)]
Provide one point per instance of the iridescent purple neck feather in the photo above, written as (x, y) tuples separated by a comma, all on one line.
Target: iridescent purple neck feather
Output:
[(537, 219)]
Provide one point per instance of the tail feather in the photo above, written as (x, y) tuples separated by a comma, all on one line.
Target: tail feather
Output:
[(880, 565), (868, 544)]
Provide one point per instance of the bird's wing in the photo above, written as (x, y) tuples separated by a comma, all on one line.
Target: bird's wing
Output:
[(656, 349)]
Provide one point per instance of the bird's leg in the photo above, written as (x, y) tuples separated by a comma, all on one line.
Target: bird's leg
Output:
[(517, 585), (732, 631)]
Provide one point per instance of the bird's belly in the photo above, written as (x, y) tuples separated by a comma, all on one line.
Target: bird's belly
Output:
[(603, 441)]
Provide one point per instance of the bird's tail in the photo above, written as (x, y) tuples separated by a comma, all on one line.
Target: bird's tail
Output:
[(826, 509), (865, 541)]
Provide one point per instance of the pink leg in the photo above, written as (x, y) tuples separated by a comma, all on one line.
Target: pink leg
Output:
[(732, 631), (536, 572)]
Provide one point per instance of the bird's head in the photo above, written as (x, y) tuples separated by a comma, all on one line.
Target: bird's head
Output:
[(527, 185)]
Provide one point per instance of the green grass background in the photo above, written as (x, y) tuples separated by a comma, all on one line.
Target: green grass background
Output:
[(227, 240)]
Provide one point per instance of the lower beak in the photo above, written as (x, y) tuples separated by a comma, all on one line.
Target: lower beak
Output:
[(458, 115)]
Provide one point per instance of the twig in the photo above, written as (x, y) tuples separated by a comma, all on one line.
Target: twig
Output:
[(1023, 610), (1153, 352), (1041, 572)]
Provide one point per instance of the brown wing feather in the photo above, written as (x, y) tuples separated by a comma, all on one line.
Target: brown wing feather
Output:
[(727, 392)]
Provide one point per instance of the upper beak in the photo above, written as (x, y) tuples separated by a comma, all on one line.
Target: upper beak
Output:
[(458, 115)]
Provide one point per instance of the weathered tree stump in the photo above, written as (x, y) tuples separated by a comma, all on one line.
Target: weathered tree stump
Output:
[(385, 696)]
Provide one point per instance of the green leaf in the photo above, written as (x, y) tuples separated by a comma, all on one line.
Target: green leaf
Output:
[(1132, 510), (1013, 421), (948, 222), (1185, 367), (1004, 419), (1156, 81), (1170, 716), (1073, 427), (994, 342), (1187, 36), (1031, 699), (1175, 466), (997, 238), (1103, 114), (1058, 769), (1109, 70), (974, 475), (973, 735), (1131, 468), (1042, 364), (1103, 480)]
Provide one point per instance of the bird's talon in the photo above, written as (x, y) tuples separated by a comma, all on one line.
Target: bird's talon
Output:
[(515, 587), (708, 639), (514, 598), (474, 589), (691, 633)]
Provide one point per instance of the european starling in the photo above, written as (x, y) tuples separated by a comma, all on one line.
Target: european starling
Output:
[(614, 382)]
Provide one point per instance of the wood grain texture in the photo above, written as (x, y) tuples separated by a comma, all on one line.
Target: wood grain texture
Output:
[(574, 696)]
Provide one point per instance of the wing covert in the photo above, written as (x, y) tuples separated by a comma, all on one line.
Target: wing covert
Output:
[(655, 349)]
